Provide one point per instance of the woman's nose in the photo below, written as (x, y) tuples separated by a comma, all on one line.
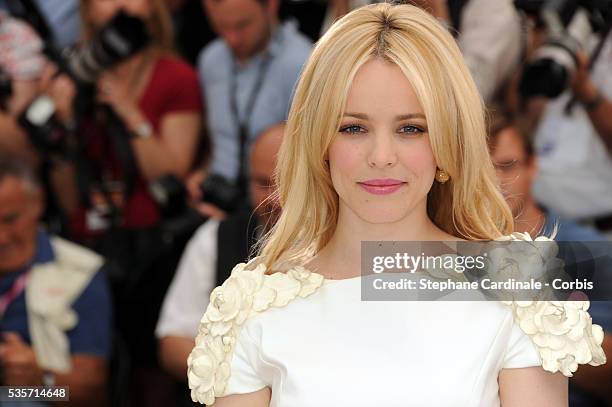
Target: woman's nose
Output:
[(382, 152)]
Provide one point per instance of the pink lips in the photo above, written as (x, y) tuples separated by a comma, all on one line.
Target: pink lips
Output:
[(381, 186)]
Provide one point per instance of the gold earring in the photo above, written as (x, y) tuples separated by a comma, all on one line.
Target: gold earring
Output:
[(442, 176)]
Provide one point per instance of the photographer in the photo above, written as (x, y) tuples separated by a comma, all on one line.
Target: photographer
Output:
[(247, 75), (55, 308), (516, 165), (156, 98), (575, 165), (210, 255), (146, 123)]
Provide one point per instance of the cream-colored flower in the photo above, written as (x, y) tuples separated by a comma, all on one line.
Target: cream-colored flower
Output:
[(230, 301), (285, 287), (250, 280), (520, 258), (263, 298), (243, 294), (562, 331), (204, 368), (310, 281)]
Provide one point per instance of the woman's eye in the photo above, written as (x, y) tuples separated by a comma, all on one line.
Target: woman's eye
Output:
[(411, 129), (352, 129)]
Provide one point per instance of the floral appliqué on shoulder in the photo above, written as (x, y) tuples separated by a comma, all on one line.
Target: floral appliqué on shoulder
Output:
[(562, 331), (244, 294)]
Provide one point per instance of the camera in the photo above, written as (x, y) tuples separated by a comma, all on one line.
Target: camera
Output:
[(171, 196), (222, 193), (122, 37), (570, 24)]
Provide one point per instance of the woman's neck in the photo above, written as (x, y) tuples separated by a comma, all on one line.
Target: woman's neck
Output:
[(132, 68), (341, 257)]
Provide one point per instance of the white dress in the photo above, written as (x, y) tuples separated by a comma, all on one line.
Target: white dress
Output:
[(315, 343)]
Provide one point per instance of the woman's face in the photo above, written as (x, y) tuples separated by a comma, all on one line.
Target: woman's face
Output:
[(100, 12), (381, 162)]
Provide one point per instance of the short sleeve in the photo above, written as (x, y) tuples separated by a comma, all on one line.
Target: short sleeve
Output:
[(520, 350), (184, 92), (225, 359), (245, 365), (190, 289), (93, 333)]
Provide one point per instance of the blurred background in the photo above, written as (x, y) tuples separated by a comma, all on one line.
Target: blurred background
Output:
[(138, 140)]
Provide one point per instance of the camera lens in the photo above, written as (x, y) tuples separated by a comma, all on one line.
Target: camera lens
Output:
[(543, 77)]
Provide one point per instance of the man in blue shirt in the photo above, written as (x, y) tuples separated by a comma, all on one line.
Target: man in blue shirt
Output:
[(247, 76), (516, 165), (50, 291)]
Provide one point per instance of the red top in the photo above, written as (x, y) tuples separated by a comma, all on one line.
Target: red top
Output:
[(173, 87)]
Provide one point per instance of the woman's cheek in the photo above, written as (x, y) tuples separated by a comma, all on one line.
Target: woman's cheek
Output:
[(345, 154), (419, 160)]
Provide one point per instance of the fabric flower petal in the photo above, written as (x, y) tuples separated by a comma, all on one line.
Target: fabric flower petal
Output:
[(244, 294)]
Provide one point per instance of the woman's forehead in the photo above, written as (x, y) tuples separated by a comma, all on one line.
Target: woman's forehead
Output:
[(382, 87)]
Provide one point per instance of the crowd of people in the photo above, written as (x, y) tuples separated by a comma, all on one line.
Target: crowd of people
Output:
[(126, 196)]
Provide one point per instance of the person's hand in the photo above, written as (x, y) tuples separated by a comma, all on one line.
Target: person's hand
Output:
[(193, 184), (210, 211), (61, 89), (117, 95), (18, 361), (582, 85)]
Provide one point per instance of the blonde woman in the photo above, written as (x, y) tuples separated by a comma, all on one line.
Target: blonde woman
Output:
[(385, 141)]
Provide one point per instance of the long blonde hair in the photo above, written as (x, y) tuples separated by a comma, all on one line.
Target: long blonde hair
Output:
[(469, 206)]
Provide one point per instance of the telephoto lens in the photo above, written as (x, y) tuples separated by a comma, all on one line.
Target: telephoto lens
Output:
[(570, 25), (123, 37)]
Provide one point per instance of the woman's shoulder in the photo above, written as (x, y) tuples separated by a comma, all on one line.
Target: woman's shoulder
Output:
[(170, 61), (174, 71), (252, 289), (562, 332), (247, 292)]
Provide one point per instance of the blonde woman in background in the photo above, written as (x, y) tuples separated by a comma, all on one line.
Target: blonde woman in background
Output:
[(385, 141)]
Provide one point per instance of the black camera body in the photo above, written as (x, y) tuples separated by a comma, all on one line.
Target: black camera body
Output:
[(224, 194), (122, 37), (570, 24)]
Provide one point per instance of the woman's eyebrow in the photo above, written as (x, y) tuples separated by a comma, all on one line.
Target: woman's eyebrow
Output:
[(410, 116), (364, 116)]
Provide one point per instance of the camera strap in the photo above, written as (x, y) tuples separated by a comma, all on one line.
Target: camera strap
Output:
[(16, 289), (124, 149), (243, 125), (593, 58)]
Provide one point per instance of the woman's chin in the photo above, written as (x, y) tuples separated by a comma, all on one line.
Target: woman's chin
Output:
[(379, 214)]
